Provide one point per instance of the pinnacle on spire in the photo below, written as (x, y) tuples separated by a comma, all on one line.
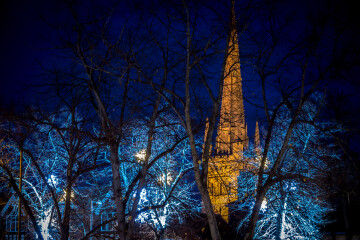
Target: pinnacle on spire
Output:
[(205, 135), (257, 135), (206, 129), (257, 147)]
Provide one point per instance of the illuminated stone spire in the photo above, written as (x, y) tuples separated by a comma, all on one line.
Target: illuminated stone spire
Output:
[(232, 132), (231, 139)]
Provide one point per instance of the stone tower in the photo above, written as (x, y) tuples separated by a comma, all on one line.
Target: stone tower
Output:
[(231, 139)]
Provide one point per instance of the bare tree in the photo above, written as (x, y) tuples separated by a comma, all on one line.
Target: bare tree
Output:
[(293, 69), (105, 66), (56, 153), (193, 43), (188, 52)]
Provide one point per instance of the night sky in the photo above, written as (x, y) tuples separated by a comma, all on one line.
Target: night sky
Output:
[(26, 47), (25, 37), (21, 31)]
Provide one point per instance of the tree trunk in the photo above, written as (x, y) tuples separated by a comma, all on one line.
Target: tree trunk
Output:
[(66, 220), (214, 229), (116, 184), (281, 218), (250, 232), (201, 182), (281, 214), (24, 201)]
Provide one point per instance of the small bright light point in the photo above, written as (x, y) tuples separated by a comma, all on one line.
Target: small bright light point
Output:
[(166, 178), (264, 205), (53, 180), (72, 195), (143, 195), (140, 156)]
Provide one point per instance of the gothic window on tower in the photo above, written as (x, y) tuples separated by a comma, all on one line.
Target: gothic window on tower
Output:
[(211, 188), (231, 189), (223, 189), (215, 190)]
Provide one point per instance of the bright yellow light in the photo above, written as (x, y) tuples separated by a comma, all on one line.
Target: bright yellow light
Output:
[(72, 195)]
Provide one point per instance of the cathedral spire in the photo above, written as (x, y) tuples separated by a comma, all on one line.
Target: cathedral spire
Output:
[(231, 139), (232, 132)]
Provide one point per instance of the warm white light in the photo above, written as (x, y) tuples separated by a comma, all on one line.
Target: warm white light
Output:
[(264, 204), (140, 156), (165, 177), (53, 180), (72, 195)]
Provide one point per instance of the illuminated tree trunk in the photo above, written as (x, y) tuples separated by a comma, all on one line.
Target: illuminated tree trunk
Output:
[(200, 177), (65, 225), (280, 220), (255, 215)]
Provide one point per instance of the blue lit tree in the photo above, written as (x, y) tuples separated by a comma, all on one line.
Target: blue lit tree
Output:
[(166, 192), (114, 102), (292, 211), (123, 63), (293, 204), (57, 187), (122, 73), (290, 65), (56, 154), (10, 177), (172, 196)]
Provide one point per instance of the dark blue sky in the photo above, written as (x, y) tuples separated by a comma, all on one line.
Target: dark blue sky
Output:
[(23, 30)]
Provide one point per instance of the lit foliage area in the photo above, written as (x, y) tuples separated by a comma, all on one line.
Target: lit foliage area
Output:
[(294, 206), (292, 211), (51, 145), (168, 190), (55, 157), (33, 188)]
